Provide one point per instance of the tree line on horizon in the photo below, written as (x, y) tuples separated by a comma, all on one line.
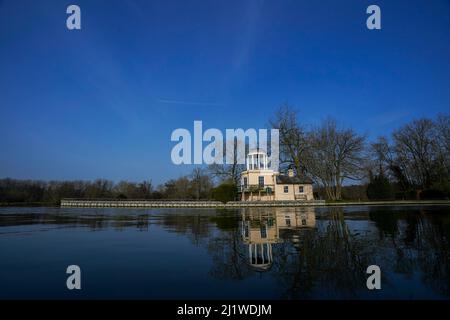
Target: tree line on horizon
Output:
[(412, 163)]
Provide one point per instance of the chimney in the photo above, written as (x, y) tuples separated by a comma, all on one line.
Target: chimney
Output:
[(290, 173)]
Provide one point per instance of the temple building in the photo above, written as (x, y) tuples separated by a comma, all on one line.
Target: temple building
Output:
[(259, 183)]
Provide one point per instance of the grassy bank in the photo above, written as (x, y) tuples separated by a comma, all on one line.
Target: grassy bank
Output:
[(29, 204), (388, 202)]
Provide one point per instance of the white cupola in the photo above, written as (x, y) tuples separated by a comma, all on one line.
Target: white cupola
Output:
[(257, 160)]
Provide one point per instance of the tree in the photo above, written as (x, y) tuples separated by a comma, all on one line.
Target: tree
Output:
[(442, 150), (201, 184), (413, 145), (132, 190), (100, 188), (177, 189), (328, 154), (380, 188), (334, 155), (229, 172), (418, 158), (225, 192), (293, 138)]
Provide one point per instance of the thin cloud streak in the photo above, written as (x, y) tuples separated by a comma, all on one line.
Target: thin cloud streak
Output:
[(192, 103), (387, 118)]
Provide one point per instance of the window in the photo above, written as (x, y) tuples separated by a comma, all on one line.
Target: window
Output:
[(245, 182), (300, 189), (286, 189), (263, 230), (261, 181), (288, 221)]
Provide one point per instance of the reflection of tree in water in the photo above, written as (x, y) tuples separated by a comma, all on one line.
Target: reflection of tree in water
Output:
[(435, 255), (94, 220), (303, 257), (226, 248), (306, 260), (416, 240), (331, 259), (195, 226), (244, 247), (228, 256)]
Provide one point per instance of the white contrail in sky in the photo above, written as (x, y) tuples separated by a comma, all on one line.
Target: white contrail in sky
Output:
[(192, 103)]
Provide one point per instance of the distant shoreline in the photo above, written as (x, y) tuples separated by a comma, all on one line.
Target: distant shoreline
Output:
[(132, 203), (28, 204), (235, 204)]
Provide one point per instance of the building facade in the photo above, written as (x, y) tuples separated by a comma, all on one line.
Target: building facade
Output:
[(259, 183)]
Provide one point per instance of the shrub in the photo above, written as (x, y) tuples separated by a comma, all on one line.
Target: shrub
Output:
[(224, 192), (380, 189), (433, 194)]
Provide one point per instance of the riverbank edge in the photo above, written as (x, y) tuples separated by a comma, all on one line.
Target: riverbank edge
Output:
[(76, 203)]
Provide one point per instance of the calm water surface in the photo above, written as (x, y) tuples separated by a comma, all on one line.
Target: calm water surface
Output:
[(258, 253)]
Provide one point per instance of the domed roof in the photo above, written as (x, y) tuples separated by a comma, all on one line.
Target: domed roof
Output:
[(256, 151)]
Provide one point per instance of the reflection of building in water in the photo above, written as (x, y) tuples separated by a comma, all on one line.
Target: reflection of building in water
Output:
[(261, 228)]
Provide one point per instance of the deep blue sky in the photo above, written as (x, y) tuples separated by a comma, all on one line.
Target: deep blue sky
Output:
[(102, 102)]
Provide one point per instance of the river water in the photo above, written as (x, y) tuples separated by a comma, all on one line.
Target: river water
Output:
[(252, 253)]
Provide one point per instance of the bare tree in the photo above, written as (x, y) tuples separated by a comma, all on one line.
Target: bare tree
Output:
[(333, 155), (229, 172), (442, 145), (419, 155), (293, 137), (327, 154), (414, 144), (201, 183)]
